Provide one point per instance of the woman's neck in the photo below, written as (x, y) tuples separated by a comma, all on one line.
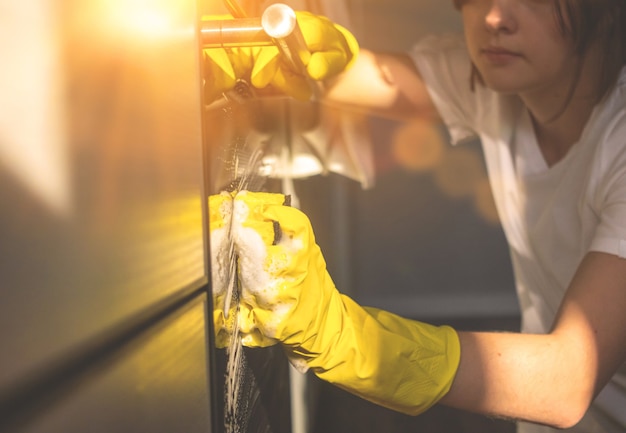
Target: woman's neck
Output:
[(555, 137), (559, 118)]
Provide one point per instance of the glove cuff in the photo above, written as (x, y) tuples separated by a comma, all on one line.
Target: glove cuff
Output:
[(401, 364)]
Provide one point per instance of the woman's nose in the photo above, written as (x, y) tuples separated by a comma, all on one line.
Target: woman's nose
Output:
[(500, 17)]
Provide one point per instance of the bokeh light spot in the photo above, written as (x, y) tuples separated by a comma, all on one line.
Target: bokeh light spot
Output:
[(418, 145), (459, 172)]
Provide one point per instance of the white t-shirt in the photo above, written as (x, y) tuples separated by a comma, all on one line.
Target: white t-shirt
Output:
[(552, 216)]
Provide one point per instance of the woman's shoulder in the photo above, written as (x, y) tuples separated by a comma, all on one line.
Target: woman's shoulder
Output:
[(608, 128), (612, 111)]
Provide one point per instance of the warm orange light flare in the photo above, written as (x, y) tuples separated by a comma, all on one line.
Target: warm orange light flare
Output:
[(32, 136), (418, 146)]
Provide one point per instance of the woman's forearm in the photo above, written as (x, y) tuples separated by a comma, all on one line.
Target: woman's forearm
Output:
[(384, 84), (538, 378)]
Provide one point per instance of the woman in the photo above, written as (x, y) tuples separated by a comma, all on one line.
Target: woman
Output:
[(542, 83)]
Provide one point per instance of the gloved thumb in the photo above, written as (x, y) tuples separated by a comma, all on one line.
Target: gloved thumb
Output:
[(333, 47), (326, 64)]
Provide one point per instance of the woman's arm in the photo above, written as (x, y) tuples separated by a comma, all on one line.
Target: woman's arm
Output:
[(550, 379), (387, 85)]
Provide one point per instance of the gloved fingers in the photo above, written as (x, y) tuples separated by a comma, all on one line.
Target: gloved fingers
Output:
[(223, 327), (234, 62), (256, 338), (219, 72), (294, 224), (318, 32), (256, 326), (223, 67), (266, 64), (332, 46), (292, 84), (242, 59), (290, 257), (332, 49), (249, 208), (326, 64), (271, 68), (220, 214), (220, 210), (268, 264)]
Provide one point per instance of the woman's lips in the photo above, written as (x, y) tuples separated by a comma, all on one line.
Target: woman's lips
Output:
[(499, 56)]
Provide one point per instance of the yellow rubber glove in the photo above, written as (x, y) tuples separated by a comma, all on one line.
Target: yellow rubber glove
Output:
[(226, 216), (333, 49), (220, 216), (398, 363)]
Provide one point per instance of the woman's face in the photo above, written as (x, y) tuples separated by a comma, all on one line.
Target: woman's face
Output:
[(517, 46)]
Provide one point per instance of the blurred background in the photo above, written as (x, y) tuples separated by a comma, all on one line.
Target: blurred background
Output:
[(107, 156)]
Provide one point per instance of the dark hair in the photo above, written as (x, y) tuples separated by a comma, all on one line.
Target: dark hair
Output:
[(585, 22)]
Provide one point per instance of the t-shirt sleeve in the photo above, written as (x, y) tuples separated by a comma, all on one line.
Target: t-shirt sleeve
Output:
[(610, 236), (445, 67)]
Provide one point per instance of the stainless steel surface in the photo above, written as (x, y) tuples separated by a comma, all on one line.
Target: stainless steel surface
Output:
[(241, 32), (167, 368), (280, 22), (101, 178), (234, 8)]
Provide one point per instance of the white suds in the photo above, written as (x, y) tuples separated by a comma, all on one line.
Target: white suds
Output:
[(247, 283), (234, 381)]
